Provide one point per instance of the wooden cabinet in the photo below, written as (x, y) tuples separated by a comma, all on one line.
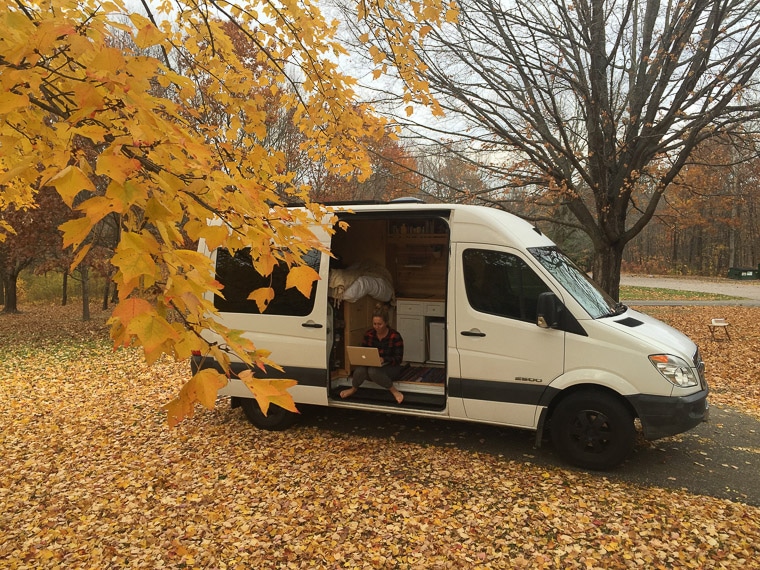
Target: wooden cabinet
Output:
[(413, 319), (417, 255)]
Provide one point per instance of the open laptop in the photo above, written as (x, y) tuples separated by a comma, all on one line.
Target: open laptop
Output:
[(364, 356)]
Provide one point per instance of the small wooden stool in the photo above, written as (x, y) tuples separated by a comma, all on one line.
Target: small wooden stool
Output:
[(718, 324)]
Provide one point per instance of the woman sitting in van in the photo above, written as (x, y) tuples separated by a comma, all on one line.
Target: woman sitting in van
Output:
[(390, 345)]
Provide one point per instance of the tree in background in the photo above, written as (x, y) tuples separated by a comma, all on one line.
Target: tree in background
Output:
[(394, 174), (33, 238), (708, 222), (585, 102), (169, 165), (449, 176)]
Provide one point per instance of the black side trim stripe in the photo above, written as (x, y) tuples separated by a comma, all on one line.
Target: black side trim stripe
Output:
[(305, 376), (497, 391)]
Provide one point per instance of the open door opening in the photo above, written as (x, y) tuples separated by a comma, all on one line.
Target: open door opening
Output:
[(399, 260)]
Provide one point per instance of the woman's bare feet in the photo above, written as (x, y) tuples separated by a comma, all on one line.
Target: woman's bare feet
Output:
[(348, 392), (398, 395)]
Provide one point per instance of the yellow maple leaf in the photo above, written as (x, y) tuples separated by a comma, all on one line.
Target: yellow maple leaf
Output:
[(133, 263), (270, 391), (151, 330), (128, 193), (128, 309), (69, 182), (202, 388), (264, 264), (75, 231), (10, 102), (97, 207), (116, 166), (214, 235), (301, 277), (148, 35), (80, 255), (49, 34), (207, 383), (263, 296)]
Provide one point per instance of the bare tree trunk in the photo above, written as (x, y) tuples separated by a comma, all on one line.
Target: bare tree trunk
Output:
[(84, 272), (675, 246), (65, 289), (732, 235), (10, 285), (106, 290), (607, 263)]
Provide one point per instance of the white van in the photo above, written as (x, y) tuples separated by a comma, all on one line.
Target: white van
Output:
[(499, 327)]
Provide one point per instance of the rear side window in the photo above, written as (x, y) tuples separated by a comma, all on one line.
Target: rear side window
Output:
[(501, 284), (239, 278)]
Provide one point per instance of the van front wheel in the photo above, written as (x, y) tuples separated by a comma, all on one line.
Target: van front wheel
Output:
[(593, 430), (277, 418)]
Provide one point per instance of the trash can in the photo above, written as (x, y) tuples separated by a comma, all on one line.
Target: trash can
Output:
[(743, 273)]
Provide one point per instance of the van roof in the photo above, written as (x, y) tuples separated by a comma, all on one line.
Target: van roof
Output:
[(470, 223)]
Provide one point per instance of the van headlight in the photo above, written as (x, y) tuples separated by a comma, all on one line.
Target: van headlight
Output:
[(675, 370)]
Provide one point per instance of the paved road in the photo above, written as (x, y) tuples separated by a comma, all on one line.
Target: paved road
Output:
[(747, 291)]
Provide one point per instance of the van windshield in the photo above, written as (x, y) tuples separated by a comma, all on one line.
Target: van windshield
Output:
[(594, 300)]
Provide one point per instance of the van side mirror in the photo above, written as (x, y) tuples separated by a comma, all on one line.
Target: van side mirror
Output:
[(549, 309)]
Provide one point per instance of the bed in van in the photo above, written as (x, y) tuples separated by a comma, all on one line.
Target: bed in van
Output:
[(499, 327)]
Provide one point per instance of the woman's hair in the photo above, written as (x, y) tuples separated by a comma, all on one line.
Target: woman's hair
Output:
[(381, 310)]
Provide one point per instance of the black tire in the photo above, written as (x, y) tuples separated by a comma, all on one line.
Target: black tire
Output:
[(593, 430), (277, 418)]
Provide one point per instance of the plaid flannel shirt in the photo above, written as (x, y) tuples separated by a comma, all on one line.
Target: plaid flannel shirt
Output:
[(391, 348)]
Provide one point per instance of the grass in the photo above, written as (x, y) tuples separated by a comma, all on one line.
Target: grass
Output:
[(48, 287), (631, 293)]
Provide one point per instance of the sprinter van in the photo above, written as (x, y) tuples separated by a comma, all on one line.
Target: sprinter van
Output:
[(499, 327)]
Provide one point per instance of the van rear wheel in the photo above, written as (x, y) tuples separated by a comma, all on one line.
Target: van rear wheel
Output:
[(593, 430), (277, 418)]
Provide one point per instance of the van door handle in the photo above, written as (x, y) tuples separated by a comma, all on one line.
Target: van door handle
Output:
[(472, 332), (311, 325)]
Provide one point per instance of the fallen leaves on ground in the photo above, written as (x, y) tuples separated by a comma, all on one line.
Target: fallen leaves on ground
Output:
[(92, 477)]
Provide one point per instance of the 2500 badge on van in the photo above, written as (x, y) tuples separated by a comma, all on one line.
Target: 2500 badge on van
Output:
[(498, 326)]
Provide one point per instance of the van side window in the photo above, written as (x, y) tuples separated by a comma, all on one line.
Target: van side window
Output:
[(239, 278), (501, 284)]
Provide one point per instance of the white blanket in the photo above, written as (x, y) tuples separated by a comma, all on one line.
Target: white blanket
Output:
[(364, 278)]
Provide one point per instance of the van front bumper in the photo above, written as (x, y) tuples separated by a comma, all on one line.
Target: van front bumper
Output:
[(663, 416)]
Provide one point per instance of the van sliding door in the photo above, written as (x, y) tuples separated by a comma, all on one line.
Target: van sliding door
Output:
[(293, 327)]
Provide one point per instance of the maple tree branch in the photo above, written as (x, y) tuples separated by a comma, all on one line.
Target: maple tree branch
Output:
[(151, 17)]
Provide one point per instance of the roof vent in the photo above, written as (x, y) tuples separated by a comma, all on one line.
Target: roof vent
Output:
[(407, 200)]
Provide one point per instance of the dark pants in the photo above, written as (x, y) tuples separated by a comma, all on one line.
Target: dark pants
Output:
[(381, 375)]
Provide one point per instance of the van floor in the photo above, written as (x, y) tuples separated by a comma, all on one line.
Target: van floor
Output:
[(425, 374), (374, 396), (410, 376)]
